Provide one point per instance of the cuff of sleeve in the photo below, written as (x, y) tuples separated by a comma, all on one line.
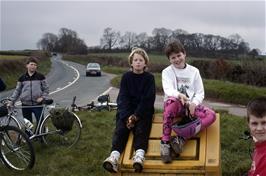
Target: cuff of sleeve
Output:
[(195, 102)]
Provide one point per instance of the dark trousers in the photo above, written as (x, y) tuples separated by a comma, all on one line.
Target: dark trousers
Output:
[(27, 113), (141, 133)]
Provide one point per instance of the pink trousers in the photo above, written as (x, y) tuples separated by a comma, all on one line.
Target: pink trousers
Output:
[(173, 107)]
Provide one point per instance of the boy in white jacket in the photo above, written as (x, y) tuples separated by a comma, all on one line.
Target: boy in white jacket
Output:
[(183, 89)]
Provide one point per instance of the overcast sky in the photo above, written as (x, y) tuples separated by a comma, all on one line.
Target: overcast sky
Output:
[(24, 22)]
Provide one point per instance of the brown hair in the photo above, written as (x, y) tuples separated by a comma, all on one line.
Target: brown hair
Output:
[(257, 107), (174, 47), (139, 51), (32, 59)]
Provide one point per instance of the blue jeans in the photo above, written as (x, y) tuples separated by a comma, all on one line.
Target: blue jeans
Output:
[(27, 113)]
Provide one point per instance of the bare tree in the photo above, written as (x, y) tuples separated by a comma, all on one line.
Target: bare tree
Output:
[(47, 42), (161, 37), (128, 40), (67, 39), (142, 40), (110, 38)]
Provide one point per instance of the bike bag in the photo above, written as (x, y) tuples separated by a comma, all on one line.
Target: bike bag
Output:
[(62, 118)]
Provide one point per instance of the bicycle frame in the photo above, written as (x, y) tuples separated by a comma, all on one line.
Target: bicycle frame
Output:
[(45, 128), (37, 131)]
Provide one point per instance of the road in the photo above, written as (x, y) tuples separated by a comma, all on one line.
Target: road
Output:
[(67, 79)]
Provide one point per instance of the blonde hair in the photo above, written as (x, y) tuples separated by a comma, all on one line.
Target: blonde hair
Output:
[(139, 51)]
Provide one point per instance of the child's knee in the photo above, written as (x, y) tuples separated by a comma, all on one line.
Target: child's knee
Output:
[(212, 116), (209, 119), (172, 107)]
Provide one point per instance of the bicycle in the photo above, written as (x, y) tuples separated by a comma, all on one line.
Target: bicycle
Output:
[(8, 115), (16, 150), (104, 103), (48, 132)]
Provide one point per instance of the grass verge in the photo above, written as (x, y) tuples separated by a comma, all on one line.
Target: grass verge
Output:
[(94, 146)]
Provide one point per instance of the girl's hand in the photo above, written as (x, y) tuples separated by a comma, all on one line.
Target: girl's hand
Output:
[(192, 107), (131, 121), (183, 98)]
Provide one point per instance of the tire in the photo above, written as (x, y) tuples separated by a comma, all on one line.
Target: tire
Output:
[(57, 137), (16, 150), (10, 121)]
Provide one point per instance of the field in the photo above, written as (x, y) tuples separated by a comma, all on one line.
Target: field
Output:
[(87, 156)]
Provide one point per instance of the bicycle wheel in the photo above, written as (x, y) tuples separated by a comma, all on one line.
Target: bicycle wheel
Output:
[(56, 137), (16, 150), (10, 121)]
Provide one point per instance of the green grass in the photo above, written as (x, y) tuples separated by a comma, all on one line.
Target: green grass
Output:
[(86, 157), (234, 150), (115, 70), (232, 92), (11, 57)]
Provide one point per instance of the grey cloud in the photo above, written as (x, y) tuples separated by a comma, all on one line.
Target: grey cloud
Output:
[(24, 22)]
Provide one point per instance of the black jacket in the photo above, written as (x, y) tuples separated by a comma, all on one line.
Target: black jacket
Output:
[(136, 95)]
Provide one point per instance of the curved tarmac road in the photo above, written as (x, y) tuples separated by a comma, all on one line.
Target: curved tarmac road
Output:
[(67, 79)]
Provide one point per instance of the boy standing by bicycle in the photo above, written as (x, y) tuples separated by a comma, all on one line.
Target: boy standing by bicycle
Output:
[(256, 117), (32, 90), (135, 111)]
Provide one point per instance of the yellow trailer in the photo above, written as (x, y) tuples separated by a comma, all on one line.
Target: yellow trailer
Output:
[(201, 155)]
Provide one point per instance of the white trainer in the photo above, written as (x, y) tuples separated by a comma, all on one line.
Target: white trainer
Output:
[(111, 164), (138, 163)]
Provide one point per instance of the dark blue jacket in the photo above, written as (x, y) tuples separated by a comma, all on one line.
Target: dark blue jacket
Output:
[(136, 95)]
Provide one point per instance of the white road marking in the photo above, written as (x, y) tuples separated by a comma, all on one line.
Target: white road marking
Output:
[(69, 83)]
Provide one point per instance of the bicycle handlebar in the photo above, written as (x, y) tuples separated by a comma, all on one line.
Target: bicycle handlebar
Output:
[(246, 136)]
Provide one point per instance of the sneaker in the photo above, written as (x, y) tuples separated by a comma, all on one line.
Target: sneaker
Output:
[(166, 152), (138, 163), (111, 164), (177, 143)]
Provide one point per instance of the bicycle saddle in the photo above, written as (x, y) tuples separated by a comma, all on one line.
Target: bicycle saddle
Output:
[(47, 101)]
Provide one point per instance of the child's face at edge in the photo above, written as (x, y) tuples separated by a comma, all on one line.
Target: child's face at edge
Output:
[(257, 127), (138, 63), (31, 67), (178, 59)]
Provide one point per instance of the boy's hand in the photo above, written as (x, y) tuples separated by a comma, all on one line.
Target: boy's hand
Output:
[(183, 98), (9, 104), (40, 99), (131, 121)]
